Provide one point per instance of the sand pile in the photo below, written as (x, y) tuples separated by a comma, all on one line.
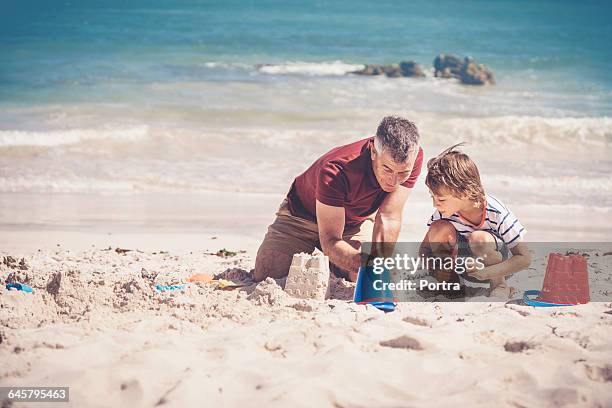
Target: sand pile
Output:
[(268, 292), (71, 287), (308, 276)]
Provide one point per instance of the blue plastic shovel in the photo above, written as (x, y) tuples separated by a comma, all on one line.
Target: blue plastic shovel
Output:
[(366, 292)]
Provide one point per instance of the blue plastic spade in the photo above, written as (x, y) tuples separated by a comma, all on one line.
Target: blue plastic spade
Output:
[(368, 290)]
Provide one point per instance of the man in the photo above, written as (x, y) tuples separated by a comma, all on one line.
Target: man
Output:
[(352, 194)]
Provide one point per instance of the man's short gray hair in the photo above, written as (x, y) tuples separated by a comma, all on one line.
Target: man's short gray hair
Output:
[(397, 136)]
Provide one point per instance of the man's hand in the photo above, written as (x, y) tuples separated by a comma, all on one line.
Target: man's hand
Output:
[(352, 275)]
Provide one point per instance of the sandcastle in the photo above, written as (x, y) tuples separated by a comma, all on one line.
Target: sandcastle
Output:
[(308, 276)]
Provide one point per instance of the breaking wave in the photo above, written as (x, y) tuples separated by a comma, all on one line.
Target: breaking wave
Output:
[(71, 136)]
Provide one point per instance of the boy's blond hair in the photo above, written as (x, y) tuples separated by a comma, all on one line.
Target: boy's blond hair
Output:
[(454, 171)]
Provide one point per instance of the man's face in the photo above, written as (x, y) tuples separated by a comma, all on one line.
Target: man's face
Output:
[(389, 173), (446, 203)]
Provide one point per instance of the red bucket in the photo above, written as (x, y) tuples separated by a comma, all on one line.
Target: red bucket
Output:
[(566, 280)]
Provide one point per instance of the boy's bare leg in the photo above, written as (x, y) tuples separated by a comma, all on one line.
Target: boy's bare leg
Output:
[(483, 245), (440, 242)]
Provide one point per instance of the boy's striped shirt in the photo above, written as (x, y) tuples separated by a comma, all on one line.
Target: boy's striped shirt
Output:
[(499, 220)]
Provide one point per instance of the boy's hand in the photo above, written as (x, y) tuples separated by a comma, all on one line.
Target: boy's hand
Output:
[(470, 266), (442, 275), (480, 274)]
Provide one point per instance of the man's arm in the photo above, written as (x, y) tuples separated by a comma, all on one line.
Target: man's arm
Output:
[(389, 216), (387, 225), (388, 222), (330, 221)]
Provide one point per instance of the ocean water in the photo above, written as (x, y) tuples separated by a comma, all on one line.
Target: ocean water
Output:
[(109, 97)]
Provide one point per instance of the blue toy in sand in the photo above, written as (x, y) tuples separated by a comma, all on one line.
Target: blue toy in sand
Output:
[(165, 288), (366, 292), (20, 286), (538, 303)]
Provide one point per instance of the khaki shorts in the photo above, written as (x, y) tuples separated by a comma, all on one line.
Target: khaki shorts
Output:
[(291, 235)]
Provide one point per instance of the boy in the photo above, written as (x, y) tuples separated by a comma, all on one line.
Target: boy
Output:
[(468, 222)]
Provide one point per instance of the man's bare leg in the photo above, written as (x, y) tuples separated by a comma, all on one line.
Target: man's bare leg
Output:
[(271, 263)]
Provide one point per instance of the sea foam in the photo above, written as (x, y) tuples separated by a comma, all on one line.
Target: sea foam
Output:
[(332, 68), (70, 136)]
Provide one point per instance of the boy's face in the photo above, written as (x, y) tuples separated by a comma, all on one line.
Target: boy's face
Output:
[(447, 203)]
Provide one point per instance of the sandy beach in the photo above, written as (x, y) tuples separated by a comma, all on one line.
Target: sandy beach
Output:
[(96, 324)]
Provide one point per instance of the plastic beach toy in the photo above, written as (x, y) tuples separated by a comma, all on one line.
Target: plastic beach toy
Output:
[(164, 288), (366, 292), (538, 303), (566, 282), (20, 286), (228, 284), (201, 277)]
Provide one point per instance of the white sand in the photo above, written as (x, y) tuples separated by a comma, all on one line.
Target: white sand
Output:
[(106, 333), (102, 330)]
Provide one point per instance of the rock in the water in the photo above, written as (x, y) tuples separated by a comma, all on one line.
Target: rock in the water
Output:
[(475, 74), (411, 69), (403, 69), (447, 66), (370, 69), (466, 70), (392, 71)]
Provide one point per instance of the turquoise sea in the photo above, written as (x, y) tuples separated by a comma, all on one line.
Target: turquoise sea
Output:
[(123, 97)]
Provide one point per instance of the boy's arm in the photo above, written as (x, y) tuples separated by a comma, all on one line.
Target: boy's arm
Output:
[(520, 260)]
